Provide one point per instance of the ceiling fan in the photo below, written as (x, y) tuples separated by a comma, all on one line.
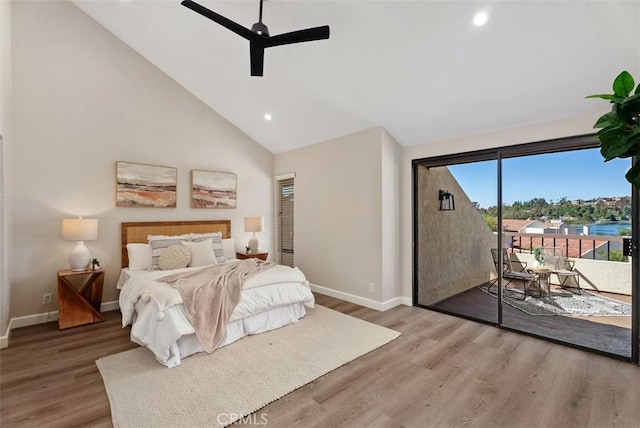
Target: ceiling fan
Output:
[(258, 35)]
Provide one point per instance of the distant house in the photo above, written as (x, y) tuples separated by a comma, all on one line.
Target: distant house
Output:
[(555, 227), (535, 226), (570, 247), (518, 226), (558, 227), (510, 225)]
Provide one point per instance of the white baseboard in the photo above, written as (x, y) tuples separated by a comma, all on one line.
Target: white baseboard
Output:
[(405, 300), (42, 318), (362, 301), (109, 306), (34, 319), (4, 340)]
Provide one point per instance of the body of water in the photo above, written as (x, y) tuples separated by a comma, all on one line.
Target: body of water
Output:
[(605, 229)]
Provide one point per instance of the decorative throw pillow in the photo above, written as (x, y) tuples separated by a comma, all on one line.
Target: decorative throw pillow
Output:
[(174, 257), (216, 243), (159, 243), (229, 247), (139, 256), (201, 253)]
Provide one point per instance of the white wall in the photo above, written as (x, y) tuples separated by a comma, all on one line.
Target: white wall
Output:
[(526, 134), (390, 201), (82, 101), (339, 197), (5, 162)]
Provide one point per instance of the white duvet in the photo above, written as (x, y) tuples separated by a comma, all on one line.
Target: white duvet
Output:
[(269, 300)]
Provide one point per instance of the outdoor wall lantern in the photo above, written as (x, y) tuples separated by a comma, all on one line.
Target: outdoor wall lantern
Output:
[(447, 202)]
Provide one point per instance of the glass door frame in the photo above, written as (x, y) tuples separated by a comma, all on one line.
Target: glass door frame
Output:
[(499, 153), (443, 161)]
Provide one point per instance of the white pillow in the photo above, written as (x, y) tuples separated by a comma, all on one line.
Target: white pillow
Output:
[(139, 256), (229, 247), (216, 243), (201, 253), (159, 243), (194, 236)]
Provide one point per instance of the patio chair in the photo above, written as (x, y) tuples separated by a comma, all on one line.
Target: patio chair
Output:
[(509, 274), (562, 267)]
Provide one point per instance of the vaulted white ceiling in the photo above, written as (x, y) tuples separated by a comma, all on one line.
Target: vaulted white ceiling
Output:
[(420, 69)]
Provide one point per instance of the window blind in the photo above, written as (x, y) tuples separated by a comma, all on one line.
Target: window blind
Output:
[(285, 222)]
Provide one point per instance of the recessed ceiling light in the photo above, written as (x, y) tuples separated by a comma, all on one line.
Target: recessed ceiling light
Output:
[(480, 18), (267, 116)]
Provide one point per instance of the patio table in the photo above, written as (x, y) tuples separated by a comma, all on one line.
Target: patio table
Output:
[(543, 278)]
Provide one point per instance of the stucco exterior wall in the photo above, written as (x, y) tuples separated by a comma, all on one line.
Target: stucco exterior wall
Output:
[(453, 246), (597, 275)]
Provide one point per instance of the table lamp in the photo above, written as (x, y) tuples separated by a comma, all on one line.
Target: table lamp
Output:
[(79, 229), (253, 224)]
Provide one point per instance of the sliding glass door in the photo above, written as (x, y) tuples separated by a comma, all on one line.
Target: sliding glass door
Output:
[(457, 229), (533, 238), (565, 216)]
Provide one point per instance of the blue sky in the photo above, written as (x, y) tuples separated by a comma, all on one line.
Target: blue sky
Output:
[(580, 174)]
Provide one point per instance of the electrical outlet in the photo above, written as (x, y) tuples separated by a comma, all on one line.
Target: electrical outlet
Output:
[(372, 288), (46, 299)]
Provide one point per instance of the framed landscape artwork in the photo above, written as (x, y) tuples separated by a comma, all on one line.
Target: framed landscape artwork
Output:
[(139, 185), (213, 189)]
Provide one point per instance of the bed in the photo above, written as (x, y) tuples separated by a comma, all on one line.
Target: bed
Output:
[(157, 315)]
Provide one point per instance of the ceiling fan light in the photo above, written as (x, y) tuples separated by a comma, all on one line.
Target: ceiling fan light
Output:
[(260, 28)]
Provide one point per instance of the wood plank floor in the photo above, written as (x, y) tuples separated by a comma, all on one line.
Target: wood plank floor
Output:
[(441, 372)]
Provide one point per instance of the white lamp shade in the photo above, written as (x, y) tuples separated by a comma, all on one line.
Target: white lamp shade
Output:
[(253, 224), (80, 229)]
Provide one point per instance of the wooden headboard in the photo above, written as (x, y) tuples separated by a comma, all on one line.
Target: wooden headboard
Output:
[(137, 232)]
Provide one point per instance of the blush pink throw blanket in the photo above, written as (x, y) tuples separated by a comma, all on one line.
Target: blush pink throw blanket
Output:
[(210, 294)]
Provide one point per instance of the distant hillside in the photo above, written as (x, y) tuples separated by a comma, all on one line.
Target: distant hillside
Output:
[(578, 211)]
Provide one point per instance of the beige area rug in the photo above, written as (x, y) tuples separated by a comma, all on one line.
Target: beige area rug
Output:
[(209, 390)]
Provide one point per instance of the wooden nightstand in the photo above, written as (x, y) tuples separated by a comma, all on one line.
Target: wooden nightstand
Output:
[(79, 297), (261, 256)]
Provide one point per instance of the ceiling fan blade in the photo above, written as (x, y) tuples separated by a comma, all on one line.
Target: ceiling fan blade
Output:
[(307, 35), (225, 22), (256, 50)]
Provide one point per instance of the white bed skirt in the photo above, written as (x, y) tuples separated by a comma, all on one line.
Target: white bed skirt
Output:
[(176, 340)]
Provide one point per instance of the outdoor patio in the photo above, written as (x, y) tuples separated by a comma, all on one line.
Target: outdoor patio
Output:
[(611, 334)]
